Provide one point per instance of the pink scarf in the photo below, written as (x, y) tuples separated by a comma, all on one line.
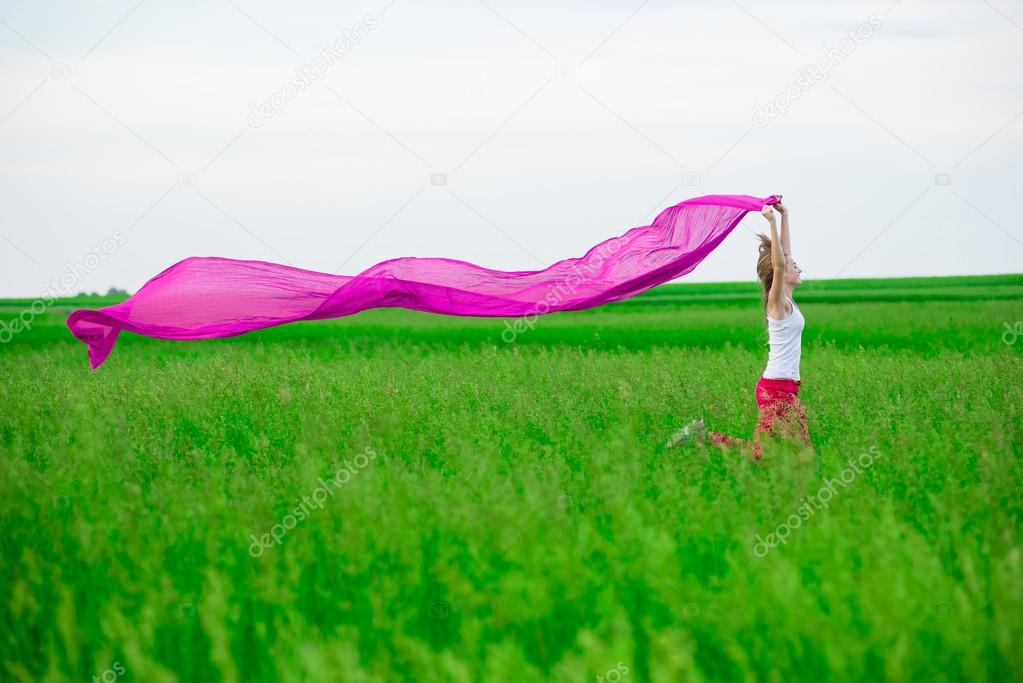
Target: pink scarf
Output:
[(206, 297)]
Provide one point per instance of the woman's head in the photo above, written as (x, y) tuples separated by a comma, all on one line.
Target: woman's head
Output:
[(765, 268), (793, 275)]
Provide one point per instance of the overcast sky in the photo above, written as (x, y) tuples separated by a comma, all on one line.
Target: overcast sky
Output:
[(510, 134)]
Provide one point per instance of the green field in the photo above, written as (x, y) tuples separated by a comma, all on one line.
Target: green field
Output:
[(507, 511)]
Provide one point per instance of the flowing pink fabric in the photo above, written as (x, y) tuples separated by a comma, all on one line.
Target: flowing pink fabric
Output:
[(202, 298)]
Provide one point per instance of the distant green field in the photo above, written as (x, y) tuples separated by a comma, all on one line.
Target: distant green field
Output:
[(508, 511)]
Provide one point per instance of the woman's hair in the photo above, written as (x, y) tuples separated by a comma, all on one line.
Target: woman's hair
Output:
[(765, 266)]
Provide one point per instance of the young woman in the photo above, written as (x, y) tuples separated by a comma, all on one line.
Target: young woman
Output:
[(777, 393)]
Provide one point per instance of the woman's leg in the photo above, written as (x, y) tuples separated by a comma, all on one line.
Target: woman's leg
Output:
[(725, 441), (781, 415), (719, 439)]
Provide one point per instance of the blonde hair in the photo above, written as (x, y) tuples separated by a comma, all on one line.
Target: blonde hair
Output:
[(765, 267)]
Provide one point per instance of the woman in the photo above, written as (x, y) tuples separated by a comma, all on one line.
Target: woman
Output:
[(777, 392)]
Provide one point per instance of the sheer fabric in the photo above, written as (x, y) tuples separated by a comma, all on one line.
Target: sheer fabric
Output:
[(206, 297)]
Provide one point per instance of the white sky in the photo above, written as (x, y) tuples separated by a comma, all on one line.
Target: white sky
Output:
[(104, 104)]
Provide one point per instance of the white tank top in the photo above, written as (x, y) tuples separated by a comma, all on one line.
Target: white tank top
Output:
[(785, 337)]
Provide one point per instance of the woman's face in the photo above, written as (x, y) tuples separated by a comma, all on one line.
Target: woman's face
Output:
[(792, 273)]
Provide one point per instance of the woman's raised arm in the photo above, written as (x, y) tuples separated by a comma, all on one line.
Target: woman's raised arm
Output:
[(776, 296), (786, 243)]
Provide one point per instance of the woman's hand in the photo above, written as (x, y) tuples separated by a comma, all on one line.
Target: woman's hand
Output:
[(782, 209), (768, 213)]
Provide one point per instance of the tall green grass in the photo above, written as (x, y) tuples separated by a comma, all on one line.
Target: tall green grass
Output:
[(521, 519)]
